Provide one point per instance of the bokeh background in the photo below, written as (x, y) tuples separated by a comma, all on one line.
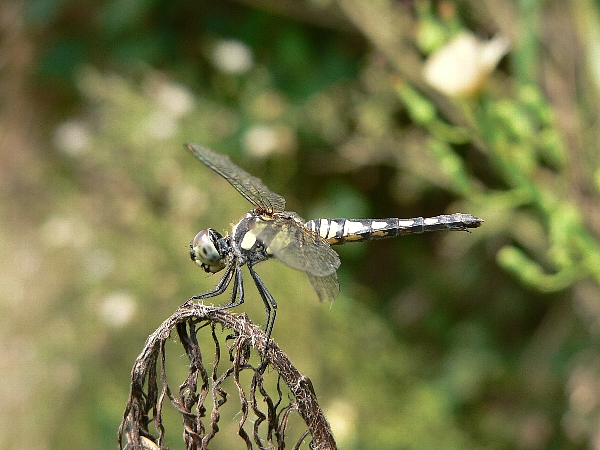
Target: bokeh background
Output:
[(449, 340)]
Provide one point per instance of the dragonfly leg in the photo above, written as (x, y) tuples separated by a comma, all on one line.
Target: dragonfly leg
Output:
[(221, 285), (269, 301), (238, 285)]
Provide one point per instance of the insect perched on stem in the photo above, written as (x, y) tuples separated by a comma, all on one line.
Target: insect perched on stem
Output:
[(269, 231)]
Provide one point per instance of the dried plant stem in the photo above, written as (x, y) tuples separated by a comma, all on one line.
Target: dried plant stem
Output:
[(146, 400)]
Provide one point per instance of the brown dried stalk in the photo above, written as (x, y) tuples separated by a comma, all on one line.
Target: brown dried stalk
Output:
[(146, 400)]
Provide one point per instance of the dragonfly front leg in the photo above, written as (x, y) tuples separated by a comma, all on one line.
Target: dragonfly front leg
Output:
[(268, 300), (221, 285), (238, 286)]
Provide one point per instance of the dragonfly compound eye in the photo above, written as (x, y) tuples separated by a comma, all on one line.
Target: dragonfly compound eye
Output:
[(203, 251)]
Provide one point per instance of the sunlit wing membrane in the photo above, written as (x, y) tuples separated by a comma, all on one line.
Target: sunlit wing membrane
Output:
[(252, 188), (327, 288), (299, 248)]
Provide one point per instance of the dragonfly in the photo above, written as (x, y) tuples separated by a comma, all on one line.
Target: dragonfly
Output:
[(269, 231)]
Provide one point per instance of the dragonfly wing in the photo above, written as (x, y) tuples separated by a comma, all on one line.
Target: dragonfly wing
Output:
[(300, 248), (327, 287), (252, 188)]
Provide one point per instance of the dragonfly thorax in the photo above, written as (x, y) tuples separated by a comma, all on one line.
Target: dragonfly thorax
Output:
[(204, 251)]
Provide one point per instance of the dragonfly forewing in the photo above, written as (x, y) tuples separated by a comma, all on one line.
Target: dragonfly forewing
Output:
[(252, 188)]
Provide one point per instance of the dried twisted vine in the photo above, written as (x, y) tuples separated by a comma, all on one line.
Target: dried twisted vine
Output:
[(145, 404)]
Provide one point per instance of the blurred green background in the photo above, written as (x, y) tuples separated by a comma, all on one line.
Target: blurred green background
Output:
[(473, 340)]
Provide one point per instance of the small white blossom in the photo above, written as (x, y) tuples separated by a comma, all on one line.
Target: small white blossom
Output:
[(462, 66), (232, 56)]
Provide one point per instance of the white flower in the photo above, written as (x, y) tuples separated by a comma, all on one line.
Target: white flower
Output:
[(462, 66), (232, 56)]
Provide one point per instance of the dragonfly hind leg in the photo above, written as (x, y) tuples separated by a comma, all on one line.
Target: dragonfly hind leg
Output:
[(268, 300)]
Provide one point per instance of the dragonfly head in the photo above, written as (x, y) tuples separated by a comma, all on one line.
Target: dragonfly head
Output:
[(204, 251)]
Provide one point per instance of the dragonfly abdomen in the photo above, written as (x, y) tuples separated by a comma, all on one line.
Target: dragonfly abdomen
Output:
[(340, 231)]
